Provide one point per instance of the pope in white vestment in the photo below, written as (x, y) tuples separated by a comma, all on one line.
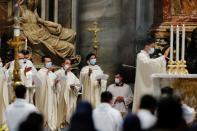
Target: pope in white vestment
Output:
[(69, 88), (92, 84), (147, 66), (46, 94), (4, 99)]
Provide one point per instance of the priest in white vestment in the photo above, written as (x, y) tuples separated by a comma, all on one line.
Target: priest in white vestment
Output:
[(145, 67), (67, 96), (46, 94), (122, 94), (93, 81), (27, 73), (4, 99)]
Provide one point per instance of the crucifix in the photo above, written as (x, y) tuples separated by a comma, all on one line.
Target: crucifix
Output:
[(95, 29)]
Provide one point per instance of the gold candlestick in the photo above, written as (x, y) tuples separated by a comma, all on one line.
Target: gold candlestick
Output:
[(171, 67), (183, 67), (15, 43)]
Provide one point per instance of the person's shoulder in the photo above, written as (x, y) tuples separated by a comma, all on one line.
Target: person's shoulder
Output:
[(126, 85), (30, 106), (58, 71), (42, 70), (71, 74), (97, 66), (9, 107), (111, 86), (115, 112), (85, 68)]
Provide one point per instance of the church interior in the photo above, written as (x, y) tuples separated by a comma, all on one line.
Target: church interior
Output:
[(114, 30)]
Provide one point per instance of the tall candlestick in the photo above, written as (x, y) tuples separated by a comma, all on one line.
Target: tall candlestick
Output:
[(183, 44), (177, 43), (25, 43), (171, 42)]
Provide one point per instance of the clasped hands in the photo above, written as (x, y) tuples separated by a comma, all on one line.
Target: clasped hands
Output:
[(119, 99)]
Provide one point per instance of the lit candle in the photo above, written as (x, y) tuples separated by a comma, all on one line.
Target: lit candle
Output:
[(171, 42), (183, 43), (16, 10), (25, 43), (177, 43)]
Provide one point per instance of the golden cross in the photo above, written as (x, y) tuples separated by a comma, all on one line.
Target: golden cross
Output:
[(95, 29)]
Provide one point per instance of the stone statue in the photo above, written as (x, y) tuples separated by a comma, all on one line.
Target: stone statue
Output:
[(57, 39)]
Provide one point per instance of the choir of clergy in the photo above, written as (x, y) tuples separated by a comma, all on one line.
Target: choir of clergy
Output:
[(55, 93)]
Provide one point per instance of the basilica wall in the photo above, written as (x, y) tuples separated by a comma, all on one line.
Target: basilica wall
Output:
[(124, 24)]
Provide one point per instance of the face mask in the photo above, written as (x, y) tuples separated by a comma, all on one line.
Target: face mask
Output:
[(92, 61), (21, 61), (66, 67), (1, 64), (151, 50), (48, 65), (117, 81)]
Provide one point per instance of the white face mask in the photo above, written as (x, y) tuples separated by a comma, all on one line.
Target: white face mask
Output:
[(1, 64), (48, 65), (117, 81), (21, 61), (66, 67), (151, 50)]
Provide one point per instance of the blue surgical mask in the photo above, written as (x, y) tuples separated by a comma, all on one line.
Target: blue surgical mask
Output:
[(48, 65), (92, 61)]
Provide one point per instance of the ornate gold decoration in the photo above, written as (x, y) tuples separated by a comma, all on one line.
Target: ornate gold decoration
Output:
[(186, 88), (95, 29), (177, 67), (4, 127), (15, 43)]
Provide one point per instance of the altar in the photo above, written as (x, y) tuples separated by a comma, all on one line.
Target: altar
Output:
[(183, 85)]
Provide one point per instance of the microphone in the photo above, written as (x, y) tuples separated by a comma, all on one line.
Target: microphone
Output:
[(129, 66)]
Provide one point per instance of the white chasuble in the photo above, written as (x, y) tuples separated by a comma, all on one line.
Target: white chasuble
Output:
[(146, 66), (91, 87), (46, 97), (67, 97), (4, 99)]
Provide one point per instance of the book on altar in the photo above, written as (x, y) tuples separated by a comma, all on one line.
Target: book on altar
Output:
[(102, 77)]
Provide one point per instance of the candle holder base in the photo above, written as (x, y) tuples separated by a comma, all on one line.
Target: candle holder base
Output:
[(177, 67)]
